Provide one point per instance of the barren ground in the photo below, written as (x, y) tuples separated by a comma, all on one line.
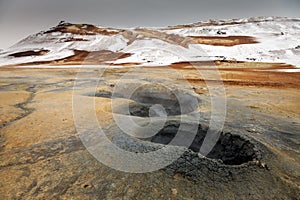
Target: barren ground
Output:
[(43, 158)]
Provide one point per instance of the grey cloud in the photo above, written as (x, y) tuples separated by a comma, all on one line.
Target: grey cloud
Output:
[(19, 18)]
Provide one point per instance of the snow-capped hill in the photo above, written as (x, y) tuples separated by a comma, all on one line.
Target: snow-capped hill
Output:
[(260, 39), (215, 22)]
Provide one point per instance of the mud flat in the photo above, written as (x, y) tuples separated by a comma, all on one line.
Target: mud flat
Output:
[(256, 156)]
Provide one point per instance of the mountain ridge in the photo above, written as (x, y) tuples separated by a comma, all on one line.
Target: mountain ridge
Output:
[(258, 39)]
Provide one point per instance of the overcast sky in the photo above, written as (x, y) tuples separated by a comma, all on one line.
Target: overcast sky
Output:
[(20, 18)]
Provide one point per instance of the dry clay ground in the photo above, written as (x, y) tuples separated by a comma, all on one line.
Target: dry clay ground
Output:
[(41, 156)]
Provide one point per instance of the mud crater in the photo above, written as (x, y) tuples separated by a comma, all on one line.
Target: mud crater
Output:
[(230, 148), (155, 101)]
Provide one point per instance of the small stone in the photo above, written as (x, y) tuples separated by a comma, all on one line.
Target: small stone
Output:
[(221, 32), (174, 192), (86, 186), (218, 62)]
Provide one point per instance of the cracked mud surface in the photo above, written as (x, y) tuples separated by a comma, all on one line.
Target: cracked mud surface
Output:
[(42, 157)]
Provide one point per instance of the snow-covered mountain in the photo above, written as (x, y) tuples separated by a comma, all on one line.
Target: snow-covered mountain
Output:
[(262, 39)]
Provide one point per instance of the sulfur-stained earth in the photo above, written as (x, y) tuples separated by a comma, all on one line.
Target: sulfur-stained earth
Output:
[(42, 156)]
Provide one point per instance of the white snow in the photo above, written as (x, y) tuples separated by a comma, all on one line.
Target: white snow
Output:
[(58, 49), (277, 39), (154, 52), (70, 66), (101, 42)]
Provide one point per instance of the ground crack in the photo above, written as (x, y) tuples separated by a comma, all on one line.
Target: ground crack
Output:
[(27, 111)]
